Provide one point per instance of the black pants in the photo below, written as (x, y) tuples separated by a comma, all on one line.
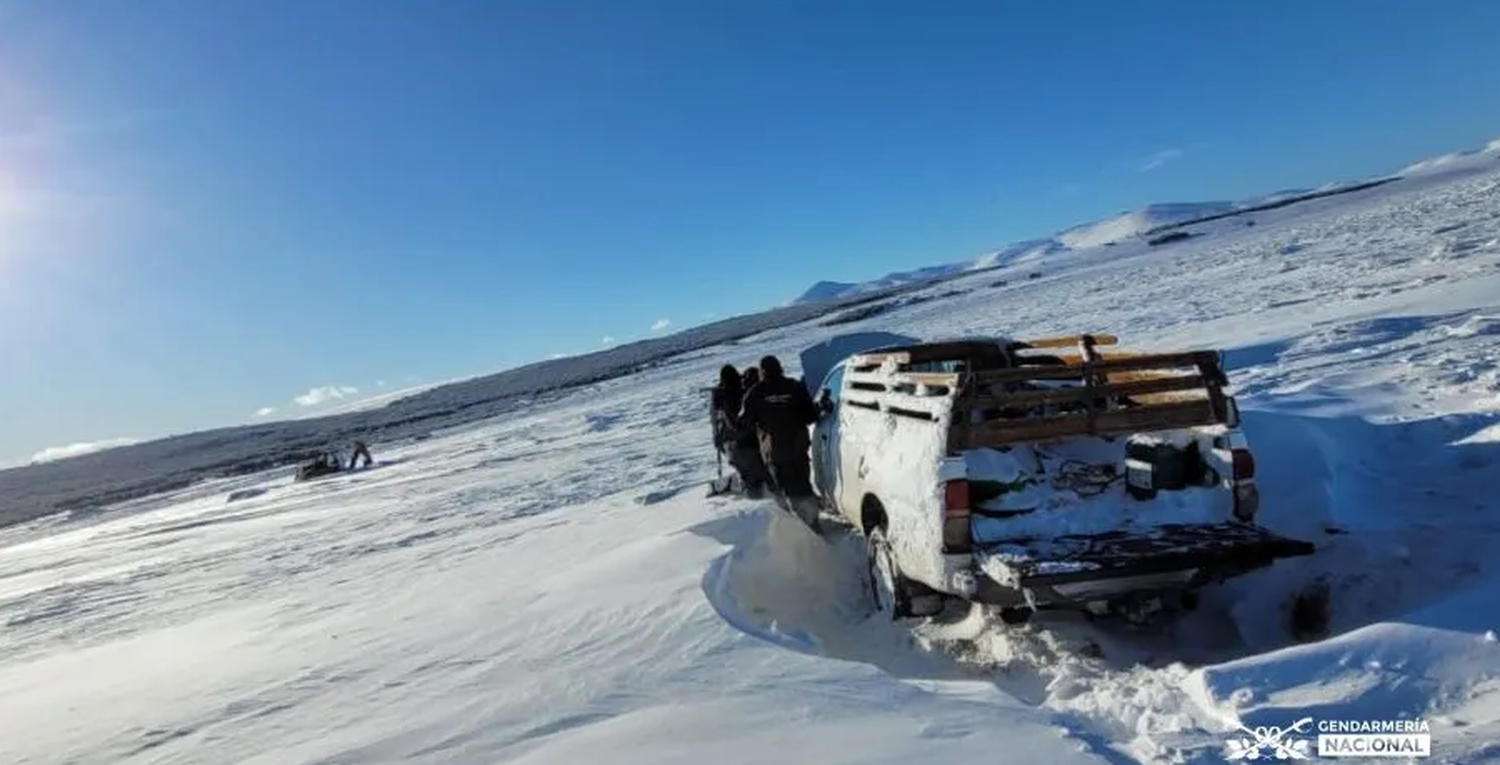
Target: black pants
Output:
[(747, 462), (794, 490), (793, 478)]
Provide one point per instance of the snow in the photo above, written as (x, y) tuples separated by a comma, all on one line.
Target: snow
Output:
[(898, 459), (79, 449), (1087, 505), (543, 581), (1019, 253), (1134, 223), (1100, 237), (1456, 161), (826, 290)]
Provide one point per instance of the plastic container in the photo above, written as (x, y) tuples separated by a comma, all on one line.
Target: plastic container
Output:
[(1153, 466)]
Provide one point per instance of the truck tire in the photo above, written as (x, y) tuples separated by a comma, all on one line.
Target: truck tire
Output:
[(888, 588)]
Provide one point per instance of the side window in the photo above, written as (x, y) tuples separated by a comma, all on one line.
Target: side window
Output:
[(834, 383)]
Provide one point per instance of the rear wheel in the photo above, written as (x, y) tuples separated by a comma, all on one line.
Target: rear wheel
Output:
[(888, 589)]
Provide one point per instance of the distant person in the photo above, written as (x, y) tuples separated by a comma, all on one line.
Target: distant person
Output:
[(360, 450), (780, 410)]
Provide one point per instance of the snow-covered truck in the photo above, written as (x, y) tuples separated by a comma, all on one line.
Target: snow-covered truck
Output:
[(1042, 474)]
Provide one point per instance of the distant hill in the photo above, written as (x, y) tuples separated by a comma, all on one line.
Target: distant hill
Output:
[(1142, 223)]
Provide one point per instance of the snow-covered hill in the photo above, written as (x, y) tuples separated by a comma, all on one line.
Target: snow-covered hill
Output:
[(547, 583), (1134, 225), (1478, 160), (835, 290), (81, 483)]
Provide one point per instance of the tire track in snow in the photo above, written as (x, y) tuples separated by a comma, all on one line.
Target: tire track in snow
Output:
[(1139, 688), (781, 585)]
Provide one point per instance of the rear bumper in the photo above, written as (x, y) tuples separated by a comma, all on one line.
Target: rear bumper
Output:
[(1079, 570)]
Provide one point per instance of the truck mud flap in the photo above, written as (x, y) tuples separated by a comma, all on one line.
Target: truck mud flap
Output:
[(1079, 567)]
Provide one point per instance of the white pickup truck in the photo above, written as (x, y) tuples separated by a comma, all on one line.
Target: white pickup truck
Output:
[(1043, 474)]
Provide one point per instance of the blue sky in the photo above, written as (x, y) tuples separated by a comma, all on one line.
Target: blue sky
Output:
[(210, 208)]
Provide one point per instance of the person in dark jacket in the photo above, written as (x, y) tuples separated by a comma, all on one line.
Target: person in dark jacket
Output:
[(779, 410), (359, 450), (730, 439), (725, 403), (748, 461)]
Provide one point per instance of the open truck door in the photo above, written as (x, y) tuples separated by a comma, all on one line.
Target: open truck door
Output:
[(818, 360)]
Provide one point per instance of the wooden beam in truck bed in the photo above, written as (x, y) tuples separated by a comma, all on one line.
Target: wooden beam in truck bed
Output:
[(1084, 393), (1207, 362), (958, 350), (1066, 341), (1167, 416)]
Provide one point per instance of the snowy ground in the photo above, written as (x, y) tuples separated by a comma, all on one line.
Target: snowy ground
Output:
[(552, 586)]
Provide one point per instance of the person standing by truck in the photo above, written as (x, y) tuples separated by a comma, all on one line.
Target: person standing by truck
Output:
[(724, 406), (779, 410), (730, 439)]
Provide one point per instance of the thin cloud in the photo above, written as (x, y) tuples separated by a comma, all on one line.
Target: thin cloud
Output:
[(661, 324), (1158, 159), (324, 394), (265, 411), (79, 449), (607, 340)]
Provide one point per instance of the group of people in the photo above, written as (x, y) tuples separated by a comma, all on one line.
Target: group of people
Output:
[(760, 423)]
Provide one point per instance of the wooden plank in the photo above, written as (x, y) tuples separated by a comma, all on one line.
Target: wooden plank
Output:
[(1076, 358), (1199, 359), (1088, 392), (958, 350), (1069, 341), (1120, 422)]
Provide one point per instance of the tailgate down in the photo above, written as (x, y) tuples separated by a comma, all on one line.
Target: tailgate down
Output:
[(1196, 551)]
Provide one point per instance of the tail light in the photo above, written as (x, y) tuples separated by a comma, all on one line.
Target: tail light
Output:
[(1243, 463), (956, 537)]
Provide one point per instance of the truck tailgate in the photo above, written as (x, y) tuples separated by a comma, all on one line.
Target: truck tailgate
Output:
[(1134, 553)]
